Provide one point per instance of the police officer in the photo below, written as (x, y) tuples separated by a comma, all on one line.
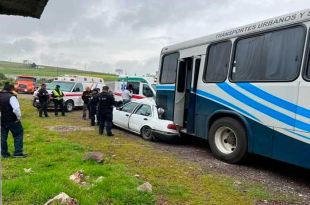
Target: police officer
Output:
[(86, 96), (58, 100), (93, 107), (10, 122), (105, 110), (43, 99)]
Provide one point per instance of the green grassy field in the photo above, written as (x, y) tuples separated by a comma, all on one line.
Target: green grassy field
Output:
[(47, 71), (54, 156)]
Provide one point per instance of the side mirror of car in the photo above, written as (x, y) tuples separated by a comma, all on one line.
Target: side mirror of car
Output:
[(160, 111)]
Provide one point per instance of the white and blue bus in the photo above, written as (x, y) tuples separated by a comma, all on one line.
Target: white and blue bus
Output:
[(245, 90)]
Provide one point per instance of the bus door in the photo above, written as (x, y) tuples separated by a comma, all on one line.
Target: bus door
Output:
[(182, 93), (190, 97)]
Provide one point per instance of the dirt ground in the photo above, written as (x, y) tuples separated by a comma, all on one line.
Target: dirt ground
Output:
[(277, 176)]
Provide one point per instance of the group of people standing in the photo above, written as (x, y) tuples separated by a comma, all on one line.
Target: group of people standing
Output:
[(99, 105), (44, 98)]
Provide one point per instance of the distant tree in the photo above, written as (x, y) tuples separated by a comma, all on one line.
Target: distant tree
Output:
[(2, 76), (33, 65)]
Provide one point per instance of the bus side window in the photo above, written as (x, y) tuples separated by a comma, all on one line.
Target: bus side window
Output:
[(272, 56), (217, 58), (308, 69), (169, 68)]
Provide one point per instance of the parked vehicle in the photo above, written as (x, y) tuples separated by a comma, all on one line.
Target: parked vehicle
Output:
[(25, 84), (143, 87), (143, 117), (73, 87), (245, 90)]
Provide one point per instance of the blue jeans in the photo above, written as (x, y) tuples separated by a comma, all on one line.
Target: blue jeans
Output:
[(17, 131)]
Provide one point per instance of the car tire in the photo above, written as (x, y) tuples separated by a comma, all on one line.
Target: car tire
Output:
[(69, 105), (146, 133), (228, 140)]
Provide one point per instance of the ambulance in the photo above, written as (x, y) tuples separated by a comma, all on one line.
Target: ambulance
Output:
[(73, 87), (143, 87)]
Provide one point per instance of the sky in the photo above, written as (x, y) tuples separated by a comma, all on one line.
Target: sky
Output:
[(104, 35)]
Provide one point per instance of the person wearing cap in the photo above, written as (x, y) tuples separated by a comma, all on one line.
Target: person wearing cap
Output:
[(11, 122), (105, 103), (58, 100), (43, 99)]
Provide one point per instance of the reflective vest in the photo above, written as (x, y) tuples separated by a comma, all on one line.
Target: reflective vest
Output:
[(58, 95)]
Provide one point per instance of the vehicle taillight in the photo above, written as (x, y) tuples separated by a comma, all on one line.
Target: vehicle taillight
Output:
[(172, 126)]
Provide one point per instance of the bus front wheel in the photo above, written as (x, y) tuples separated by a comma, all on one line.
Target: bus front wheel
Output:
[(228, 140)]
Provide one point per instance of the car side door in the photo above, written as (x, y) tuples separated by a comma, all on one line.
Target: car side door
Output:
[(141, 117), (122, 115)]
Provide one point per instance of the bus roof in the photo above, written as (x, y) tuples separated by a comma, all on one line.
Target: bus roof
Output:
[(285, 20)]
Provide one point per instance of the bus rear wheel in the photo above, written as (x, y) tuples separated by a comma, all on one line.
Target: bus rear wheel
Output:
[(228, 140)]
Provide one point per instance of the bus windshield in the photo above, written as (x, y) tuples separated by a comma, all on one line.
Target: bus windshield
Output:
[(64, 86)]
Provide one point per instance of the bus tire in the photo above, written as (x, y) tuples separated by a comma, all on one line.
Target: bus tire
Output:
[(69, 105), (228, 140)]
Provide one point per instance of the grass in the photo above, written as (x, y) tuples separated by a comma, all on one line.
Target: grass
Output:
[(48, 71), (54, 156)]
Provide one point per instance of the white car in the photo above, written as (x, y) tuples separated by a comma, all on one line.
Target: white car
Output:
[(143, 117)]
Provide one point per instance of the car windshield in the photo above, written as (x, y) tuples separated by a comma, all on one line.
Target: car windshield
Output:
[(64, 86)]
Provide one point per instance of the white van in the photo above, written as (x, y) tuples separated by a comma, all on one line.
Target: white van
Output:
[(73, 88), (143, 87)]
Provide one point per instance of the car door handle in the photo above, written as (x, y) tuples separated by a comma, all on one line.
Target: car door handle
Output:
[(127, 115), (145, 119)]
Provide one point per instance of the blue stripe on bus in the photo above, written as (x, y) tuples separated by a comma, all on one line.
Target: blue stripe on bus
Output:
[(300, 135), (275, 100), (220, 100), (264, 109), (165, 87)]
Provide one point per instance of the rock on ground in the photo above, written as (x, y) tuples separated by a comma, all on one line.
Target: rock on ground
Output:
[(78, 177), (62, 198), (94, 156), (146, 187)]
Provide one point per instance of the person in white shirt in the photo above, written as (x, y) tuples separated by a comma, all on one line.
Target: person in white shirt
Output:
[(127, 94), (11, 122)]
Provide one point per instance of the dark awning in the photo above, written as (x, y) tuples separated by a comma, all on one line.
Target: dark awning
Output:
[(31, 8)]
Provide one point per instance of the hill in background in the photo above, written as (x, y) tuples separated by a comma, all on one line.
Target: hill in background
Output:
[(13, 69)]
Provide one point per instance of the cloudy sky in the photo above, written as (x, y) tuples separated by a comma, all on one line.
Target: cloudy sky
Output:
[(103, 35)]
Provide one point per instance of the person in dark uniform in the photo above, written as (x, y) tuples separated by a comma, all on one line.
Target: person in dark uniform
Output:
[(58, 99), (11, 122), (86, 96), (43, 99), (105, 110), (93, 107)]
